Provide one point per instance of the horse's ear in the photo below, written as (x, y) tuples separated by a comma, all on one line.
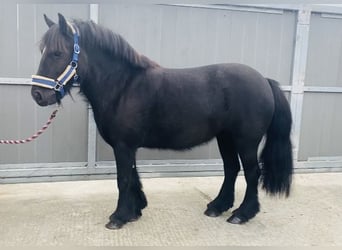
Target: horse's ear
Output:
[(48, 21), (63, 26)]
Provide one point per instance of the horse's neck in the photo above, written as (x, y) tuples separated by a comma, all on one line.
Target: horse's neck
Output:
[(105, 82)]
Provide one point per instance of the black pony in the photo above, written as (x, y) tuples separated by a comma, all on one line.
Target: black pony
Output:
[(137, 103)]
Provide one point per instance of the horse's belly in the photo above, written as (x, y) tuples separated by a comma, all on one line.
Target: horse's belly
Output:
[(180, 138)]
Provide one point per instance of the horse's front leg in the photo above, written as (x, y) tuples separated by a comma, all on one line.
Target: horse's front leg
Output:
[(131, 197)]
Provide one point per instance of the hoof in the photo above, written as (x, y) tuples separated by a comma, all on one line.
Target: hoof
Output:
[(234, 219), (212, 212), (135, 218), (114, 225)]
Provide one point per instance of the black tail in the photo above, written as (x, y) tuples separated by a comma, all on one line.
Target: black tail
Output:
[(276, 158)]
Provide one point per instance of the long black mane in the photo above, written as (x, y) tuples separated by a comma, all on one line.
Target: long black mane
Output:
[(97, 36)]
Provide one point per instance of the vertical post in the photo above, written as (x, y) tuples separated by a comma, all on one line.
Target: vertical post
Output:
[(298, 73), (91, 139), (93, 12)]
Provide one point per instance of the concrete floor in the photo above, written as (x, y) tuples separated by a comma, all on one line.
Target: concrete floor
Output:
[(74, 214)]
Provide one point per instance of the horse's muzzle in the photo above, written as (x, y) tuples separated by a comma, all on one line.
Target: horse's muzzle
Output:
[(43, 97)]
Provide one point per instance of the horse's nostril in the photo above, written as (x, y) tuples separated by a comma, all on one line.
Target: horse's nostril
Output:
[(37, 96)]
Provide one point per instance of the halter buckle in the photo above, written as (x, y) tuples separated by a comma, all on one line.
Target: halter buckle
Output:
[(76, 48), (58, 86)]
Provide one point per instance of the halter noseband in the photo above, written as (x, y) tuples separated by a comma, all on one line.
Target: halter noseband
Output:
[(69, 72)]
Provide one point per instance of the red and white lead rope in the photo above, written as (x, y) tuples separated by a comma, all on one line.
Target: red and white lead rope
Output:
[(53, 115)]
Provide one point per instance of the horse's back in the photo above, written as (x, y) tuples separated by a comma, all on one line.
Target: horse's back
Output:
[(230, 76), (233, 89)]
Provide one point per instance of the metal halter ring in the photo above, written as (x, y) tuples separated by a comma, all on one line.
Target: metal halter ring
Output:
[(74, 64), (58, 86)]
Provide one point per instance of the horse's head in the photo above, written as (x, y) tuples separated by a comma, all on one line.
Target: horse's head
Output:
[(57, 68)]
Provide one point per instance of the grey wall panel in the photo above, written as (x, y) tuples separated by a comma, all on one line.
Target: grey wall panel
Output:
[(186, 37), (322, 116), (64, 141), (180, 37), (325, 51), (8, 41), (24, 26), (321, 133)]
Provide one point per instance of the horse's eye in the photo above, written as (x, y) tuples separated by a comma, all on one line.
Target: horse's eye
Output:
[(57, 54)]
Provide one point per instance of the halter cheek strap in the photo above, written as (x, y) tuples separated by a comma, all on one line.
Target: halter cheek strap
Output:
[(69, 72)]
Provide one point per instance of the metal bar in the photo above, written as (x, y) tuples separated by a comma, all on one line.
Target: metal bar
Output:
[(327, 8), (147, 166), (15, 81), (94, 12), (27, 81), (325, 158), (286, 87), (334, 16), (298, 74), (91, 139), (94, 15), (322, 89), (319, 164), (192, 168), (246, 8), (23, 166)]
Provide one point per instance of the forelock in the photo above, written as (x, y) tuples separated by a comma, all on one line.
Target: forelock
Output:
[(53, 40)]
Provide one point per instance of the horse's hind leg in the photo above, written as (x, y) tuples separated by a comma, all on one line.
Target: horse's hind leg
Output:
[(225, 198), (250, 205)]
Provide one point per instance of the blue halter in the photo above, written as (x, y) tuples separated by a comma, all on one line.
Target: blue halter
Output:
[(69, 72)]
